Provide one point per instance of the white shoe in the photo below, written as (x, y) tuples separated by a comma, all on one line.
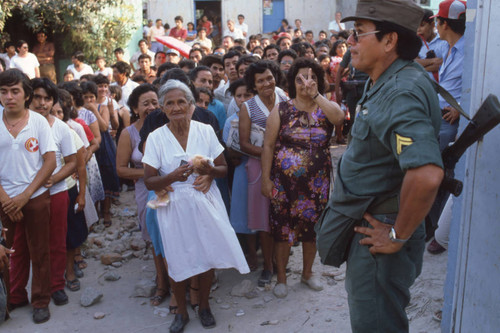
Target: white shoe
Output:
[(280, 290), (312, 283)]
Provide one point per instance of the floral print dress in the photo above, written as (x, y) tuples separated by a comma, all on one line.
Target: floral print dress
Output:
[(300, 173)]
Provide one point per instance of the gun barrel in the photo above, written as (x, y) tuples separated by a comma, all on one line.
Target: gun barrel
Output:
[(485, 119)]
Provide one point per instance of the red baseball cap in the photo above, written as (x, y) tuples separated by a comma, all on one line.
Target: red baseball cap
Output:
[(451, 9)]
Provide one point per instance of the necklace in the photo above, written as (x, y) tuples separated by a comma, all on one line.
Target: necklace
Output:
[(11, 127)]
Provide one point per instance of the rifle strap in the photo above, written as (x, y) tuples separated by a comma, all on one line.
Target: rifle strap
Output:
[(449, 98)]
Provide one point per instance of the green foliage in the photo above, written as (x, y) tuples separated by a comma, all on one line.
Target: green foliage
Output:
[(6, 7), (95, 27)]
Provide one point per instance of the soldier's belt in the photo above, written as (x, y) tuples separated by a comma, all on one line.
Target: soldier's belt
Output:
[(385, 206)]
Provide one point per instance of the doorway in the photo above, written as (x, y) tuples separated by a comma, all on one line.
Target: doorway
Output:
[(273, 13), (212, 9)]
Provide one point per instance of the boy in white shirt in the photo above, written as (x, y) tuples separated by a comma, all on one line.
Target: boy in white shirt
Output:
[(44, 97), (242, 26), (102, 69), (27, 159), (26, 61), (79, 68)]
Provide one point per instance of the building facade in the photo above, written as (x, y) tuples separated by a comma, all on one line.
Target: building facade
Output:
[(262, 16)]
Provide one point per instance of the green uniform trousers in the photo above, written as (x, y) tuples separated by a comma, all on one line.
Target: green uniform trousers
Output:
[(378, 286)]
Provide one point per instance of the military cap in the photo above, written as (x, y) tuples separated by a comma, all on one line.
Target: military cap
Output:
[(404, 13)]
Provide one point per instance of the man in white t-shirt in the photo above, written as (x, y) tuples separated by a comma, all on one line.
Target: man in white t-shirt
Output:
[(26, 61), (143, 49), (121, 74), (157, 31), (203, 39), (233, 31), (336, 26), (44, 97), (27, 160), (79, 68), (242, 26)]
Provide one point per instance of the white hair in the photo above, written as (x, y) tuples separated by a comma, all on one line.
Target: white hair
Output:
[(172, 85)]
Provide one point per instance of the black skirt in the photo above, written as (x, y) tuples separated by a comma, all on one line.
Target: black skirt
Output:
[(77, 227)]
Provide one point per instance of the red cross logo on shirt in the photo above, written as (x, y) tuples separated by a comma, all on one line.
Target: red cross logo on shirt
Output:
[(31, 145)]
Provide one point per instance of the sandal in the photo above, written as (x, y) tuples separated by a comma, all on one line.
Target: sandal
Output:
[(78, 271), (82, 264), (73, 285), (107, 223), (159, 297)]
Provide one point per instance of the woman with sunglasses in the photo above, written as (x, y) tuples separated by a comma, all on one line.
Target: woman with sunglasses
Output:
[(296, 167)]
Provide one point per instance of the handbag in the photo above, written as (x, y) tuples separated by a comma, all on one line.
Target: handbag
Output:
[(334, 236), (335, 230), (256, 136)]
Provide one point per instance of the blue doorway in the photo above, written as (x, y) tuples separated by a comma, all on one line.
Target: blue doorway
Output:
[(273, 13)]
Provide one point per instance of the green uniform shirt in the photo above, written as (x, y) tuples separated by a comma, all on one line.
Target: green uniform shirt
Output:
[(396, 129)]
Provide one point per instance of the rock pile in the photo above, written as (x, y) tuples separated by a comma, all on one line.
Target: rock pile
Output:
[(121, 242)]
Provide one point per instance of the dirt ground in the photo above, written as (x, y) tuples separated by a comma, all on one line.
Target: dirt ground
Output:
[(303, 310)]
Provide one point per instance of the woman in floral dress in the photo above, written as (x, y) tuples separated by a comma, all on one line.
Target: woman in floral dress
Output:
[(296, 167)]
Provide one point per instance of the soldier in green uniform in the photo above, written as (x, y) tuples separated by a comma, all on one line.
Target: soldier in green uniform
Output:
[(390, 173)]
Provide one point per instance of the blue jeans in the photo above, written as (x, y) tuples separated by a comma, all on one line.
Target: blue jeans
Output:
[(447, 133)]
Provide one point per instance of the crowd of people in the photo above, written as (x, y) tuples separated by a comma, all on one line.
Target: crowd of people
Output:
[(227, 150)]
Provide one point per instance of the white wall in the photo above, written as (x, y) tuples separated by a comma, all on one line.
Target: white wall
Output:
[(315, 15), (167, 10)]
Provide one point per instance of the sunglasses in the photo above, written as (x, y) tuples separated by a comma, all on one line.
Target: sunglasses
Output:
[(356, 36)]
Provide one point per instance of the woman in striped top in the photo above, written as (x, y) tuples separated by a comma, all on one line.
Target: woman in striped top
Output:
[(261, 78)]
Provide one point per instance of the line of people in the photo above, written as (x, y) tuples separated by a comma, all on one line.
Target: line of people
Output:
[(86, 106)]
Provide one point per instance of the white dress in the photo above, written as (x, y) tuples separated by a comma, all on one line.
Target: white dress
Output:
[(195, 229)]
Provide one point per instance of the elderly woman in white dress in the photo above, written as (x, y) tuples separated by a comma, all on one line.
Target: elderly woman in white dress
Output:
[(196, 233)]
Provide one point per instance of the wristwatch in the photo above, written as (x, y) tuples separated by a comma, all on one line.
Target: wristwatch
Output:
[(393, 237)]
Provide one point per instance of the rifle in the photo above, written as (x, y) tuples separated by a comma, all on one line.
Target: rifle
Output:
[(485, 119), (352, 84)]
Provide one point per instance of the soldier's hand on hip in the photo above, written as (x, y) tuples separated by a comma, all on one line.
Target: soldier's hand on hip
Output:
[(377, 236)]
